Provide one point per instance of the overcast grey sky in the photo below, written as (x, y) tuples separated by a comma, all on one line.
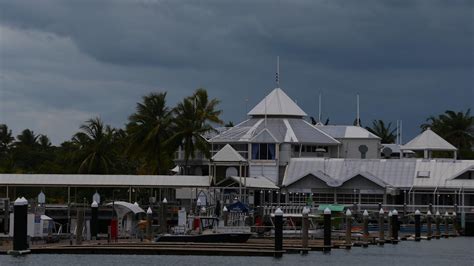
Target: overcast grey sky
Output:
[(62, 62)]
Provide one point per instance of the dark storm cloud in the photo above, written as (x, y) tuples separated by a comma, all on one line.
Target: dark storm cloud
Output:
[(99, 57)]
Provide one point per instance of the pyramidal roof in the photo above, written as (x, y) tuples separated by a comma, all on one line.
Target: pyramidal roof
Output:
[(228, 154), (277, 103), (428, 140)]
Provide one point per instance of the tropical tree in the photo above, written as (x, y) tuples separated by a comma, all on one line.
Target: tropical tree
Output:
[(194, 116), (44, 142), (149, 130), (385, 132), (6, 139), (95, 147), (457, 128), (27, 138)]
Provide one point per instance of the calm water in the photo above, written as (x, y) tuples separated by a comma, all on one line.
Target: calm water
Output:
[(454, 251)]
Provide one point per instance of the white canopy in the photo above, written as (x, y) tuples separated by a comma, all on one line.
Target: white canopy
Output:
[(428, 140), (277, 103), (124, 207)]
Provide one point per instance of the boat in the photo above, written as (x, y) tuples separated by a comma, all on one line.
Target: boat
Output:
[(208, 232)]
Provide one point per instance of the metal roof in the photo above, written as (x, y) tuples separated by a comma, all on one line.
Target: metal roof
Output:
[(277, 129), (277, 103), (442, 173), (428, 140), (396, 173), (104, 180), (349, 132), (228, 154), (401, 173)]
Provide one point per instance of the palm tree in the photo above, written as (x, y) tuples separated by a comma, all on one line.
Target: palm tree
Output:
[(44, 141), (6, 139), (193, 117), (95, 144), (149, 130), (457, 128), (27, 138), (386, 134)]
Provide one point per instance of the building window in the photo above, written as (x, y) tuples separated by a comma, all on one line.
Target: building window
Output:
[(263, 151)]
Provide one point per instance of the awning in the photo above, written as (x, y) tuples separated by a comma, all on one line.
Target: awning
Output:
[(332, 207)]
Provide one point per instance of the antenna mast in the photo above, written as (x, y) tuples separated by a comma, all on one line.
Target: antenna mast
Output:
[(319, 113), (278, 72), (358, 114)]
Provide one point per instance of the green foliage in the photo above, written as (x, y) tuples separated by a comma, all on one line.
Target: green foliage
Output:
[(385, 132), (194, 116), (455, 127), (146, 145)]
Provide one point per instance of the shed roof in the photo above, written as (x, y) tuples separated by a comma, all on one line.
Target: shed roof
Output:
[(277, 103), (104, 180), (428, 140)]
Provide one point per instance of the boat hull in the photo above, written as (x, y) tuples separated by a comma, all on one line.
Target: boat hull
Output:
[(207, 238)]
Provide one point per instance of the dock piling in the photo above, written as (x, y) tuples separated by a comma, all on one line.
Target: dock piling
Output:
[(20, 220), (438, 228), (417, 225), (327, 230), (348, 228), (389, 226), (395, 227), (381, 227), (365, 220), (429, 232), (94, 219), (149, 214), (278, 232), (446, 225), (305, 228)]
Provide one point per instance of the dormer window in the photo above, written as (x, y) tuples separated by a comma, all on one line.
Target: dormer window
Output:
[(263, 151), (423, 174), (468, 175)]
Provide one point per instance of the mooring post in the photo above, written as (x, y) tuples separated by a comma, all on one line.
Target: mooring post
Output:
[(149, 216), (278, 232), (381, 227), (365, 220), (438, 227), (429, 232), (226, 215), (389, 225), (20, 226), (455, 223), (395, 226), (446, 225), (348, 228), (417, 225), (164, 214), (79, 225), (327, 230), (305, 228), (94, 220)]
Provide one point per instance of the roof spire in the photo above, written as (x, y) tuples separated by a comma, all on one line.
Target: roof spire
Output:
[(277, 79)]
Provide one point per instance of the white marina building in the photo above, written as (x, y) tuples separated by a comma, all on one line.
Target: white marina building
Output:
[(329, 163)]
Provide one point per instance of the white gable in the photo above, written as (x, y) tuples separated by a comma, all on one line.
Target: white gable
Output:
[(277, 103), (228, 154)]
